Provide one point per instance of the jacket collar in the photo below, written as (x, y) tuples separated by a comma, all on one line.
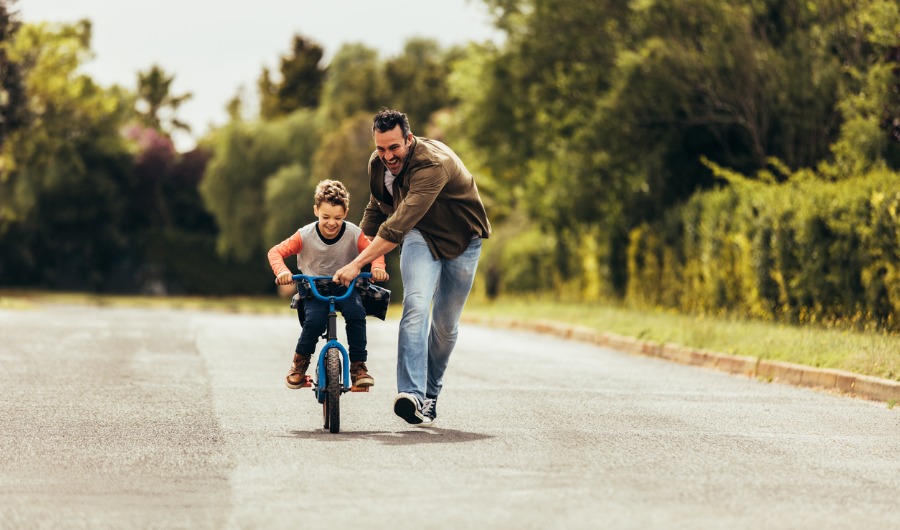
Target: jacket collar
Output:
[(379, 169)]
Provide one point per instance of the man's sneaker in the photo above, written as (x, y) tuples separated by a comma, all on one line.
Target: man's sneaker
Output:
[(359, 375), (298, 370), (429, 408), (409, 407)]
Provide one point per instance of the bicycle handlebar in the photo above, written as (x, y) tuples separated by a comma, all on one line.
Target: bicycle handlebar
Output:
[(312, 285)]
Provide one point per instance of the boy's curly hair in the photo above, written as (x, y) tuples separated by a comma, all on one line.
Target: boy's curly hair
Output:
[(333, 192)]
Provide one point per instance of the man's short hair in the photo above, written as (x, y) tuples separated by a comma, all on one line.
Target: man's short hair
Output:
[(387, 119)]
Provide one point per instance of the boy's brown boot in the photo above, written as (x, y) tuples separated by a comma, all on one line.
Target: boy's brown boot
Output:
[(298, 370), (359, 374)]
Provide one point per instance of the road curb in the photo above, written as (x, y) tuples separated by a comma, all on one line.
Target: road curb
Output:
[(830, 380)]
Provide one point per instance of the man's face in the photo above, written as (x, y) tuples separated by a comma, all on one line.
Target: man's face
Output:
[(392, 148)]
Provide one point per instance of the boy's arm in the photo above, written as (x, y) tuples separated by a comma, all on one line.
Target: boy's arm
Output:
[(276, 255), (379, 269)]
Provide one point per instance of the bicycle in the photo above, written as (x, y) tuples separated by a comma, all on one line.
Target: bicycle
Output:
[(333, 364)]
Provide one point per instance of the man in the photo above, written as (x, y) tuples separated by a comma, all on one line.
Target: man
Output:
[(424, 199)]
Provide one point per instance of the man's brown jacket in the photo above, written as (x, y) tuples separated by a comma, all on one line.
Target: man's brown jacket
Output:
[(433, 193)]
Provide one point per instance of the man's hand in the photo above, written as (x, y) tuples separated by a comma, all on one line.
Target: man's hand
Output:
[(346, 274), (285, 278), (380, 275)]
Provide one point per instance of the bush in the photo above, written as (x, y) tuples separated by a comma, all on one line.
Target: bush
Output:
[(806, 250)]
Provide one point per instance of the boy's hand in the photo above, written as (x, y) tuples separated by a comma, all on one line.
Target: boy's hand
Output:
[(285, 278), (380, 275)]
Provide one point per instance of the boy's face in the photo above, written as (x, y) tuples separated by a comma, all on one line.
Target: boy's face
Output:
[(331, 218)]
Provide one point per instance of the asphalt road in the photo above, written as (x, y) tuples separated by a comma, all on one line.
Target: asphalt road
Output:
[(131, 418)]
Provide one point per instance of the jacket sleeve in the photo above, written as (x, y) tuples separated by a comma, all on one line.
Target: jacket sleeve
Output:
[(425, 184), (289, 247), (373, 217)]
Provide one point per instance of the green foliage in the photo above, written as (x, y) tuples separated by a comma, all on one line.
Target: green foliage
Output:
[(156, 105), (866, 38), (64, 174), (608, 138), (518, 260), (603, 114), (246, 156), (355, 83), (417, 81), (13, 103), (343, 154), (288, 202), (806, 251), (166, 214), (177, 261), (300, 83)]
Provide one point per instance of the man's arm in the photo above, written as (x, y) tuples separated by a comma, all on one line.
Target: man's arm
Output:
[(350, 271)]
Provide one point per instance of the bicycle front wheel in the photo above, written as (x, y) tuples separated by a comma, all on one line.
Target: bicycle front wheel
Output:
[(331, 408)]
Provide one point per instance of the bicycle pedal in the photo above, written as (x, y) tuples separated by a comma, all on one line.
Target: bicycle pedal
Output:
[(359, 389), (307, 382)]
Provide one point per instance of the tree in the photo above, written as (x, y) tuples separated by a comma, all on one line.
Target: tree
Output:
[(417, 80), (65, 174), (156, 105), (354, 83), (301, 81), (13, 102), (246, 157), (343, 154), (867, 41)]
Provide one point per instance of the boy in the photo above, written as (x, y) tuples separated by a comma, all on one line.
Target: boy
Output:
[(321, 248)]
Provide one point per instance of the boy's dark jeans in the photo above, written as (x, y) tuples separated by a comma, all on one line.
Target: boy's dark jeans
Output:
[(316, 321)]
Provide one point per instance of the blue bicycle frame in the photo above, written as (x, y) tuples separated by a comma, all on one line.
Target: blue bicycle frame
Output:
[(331, 333)]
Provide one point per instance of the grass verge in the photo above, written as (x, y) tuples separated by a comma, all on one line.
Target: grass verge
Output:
[(867, 353)]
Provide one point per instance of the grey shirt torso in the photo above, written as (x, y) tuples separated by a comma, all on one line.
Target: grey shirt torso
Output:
[(318, 258)]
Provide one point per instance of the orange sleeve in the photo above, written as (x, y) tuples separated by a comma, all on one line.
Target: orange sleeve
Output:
[(289, 247), (362, 244)]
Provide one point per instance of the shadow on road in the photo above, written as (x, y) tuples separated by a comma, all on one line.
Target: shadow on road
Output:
[(412, 437)]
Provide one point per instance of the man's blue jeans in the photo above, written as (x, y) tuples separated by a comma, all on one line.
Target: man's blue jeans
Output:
[(434, 293)]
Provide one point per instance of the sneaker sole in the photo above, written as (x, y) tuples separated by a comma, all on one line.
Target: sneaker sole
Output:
[(405, 407)]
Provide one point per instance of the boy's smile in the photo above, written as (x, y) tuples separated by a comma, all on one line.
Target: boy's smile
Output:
[(331, 218)]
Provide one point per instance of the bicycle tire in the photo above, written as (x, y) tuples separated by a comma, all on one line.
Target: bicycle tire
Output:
[(332, 405)]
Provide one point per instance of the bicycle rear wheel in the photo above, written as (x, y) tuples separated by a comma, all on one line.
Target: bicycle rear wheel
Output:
[(331, 408)]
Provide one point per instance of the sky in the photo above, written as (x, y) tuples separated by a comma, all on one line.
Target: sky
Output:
[(215, 48)]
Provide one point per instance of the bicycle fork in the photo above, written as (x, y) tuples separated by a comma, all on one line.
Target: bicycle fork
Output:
[(332, 342)]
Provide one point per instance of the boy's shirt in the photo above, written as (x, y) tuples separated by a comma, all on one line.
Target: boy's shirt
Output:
[(317, 256)]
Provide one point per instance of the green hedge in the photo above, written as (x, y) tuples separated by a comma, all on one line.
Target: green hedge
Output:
[(177, 262), (803, 251)]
